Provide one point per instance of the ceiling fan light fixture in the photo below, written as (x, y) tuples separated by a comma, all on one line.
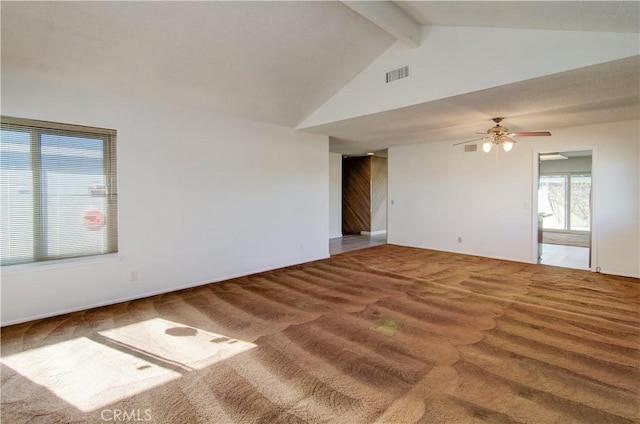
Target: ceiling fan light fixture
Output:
[(500, 135)]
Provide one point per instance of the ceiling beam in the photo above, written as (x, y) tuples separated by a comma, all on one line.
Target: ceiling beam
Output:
[(390, 18)]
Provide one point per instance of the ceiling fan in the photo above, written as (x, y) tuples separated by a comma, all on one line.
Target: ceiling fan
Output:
[(500, 135)]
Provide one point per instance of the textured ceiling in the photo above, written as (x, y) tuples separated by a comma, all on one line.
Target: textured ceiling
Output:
[(269, 61), (606, 16), (607, 92)]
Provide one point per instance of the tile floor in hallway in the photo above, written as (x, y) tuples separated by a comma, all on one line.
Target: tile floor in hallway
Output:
[(565, 256), (355, 242)]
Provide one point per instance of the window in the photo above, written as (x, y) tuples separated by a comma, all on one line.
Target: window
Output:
[(565, 201), (58, 191)]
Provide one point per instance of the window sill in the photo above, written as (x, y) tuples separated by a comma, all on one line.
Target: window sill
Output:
[(61, 264)]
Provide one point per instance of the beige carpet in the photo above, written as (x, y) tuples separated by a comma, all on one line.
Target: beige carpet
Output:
[(382, 335)]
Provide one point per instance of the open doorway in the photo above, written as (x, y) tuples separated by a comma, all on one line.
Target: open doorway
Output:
[(364, 203), (565, 209)]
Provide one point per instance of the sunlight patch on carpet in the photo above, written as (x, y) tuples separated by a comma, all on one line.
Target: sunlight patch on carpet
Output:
[(190, 347), (93, 372), (87, 374)]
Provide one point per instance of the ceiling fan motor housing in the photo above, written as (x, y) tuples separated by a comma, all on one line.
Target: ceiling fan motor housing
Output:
[(498, 130)]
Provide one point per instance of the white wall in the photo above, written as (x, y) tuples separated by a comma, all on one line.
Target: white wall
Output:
[(441, 193), (335, 195), (202, 198)]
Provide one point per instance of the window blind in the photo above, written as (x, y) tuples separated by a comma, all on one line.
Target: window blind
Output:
[(58, 191)]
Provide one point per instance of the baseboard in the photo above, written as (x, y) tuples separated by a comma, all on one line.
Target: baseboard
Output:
[(149, 294), (606, 272), (618, 274), (373, 233), (460, 252), (333, 236)]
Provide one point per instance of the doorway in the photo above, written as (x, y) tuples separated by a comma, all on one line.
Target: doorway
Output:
[(364, 203), (565, 209)]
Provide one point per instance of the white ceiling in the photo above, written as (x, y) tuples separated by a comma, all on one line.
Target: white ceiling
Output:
[(608, 92), (606, 16), (277, 62), (269, 61)]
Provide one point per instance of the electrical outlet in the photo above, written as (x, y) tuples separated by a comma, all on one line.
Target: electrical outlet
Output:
[(459, 239), (133, 276)]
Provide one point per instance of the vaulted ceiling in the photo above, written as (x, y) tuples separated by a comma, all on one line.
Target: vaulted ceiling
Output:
[(274, 62), (279, 62)]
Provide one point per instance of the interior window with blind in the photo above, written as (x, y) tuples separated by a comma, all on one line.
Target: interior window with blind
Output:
[(58, 191)]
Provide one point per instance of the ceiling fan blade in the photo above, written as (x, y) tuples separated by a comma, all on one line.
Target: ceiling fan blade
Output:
[(530, 134), (507, 138), (469, 141)]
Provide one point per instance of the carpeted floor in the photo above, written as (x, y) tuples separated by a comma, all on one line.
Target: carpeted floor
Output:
[(382, 335)]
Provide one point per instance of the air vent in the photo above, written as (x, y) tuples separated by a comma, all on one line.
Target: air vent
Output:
[(471, 148), (397, 74)]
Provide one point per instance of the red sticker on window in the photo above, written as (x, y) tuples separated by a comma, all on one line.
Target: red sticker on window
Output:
[(93, 219)]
